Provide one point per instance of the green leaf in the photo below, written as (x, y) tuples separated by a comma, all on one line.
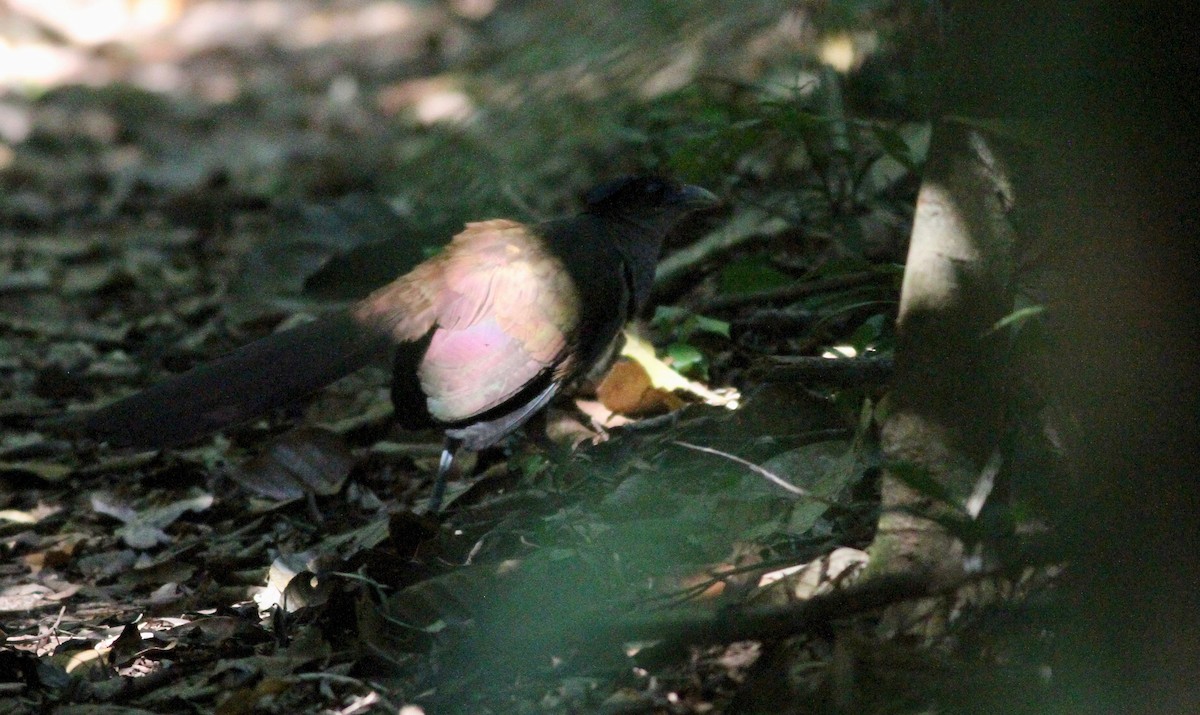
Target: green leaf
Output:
[(894, 146), (667, 316), (685, 357), (711, 325), (1016, 317), (681, 323)]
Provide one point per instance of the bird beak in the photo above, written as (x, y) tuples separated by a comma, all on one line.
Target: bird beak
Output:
[(695, 198)]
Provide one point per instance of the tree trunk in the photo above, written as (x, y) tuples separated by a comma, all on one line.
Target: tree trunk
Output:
[(1112, 197), (947, 404)]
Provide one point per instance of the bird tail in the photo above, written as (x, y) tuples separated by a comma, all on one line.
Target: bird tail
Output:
[(243, 384)]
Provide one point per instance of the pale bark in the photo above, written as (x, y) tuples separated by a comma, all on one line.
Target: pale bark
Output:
[(947, 403), (1109, 203)]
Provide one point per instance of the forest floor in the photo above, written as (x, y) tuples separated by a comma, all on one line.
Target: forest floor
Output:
[(178, 178)]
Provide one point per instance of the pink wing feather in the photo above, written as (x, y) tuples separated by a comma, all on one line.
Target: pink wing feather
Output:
[(497, 303)]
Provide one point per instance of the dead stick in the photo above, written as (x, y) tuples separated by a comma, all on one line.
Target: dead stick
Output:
[(841, 372), (791, 292), (767, 622)]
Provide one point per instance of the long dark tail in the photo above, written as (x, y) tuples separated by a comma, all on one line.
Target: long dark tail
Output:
[(244, 384)]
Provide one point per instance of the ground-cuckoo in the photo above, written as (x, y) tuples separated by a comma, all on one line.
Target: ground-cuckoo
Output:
[(483, 334)]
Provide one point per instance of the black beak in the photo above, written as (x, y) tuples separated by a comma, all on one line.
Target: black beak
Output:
[(695, 198)]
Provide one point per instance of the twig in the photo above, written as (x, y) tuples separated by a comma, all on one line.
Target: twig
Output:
[(841, 372), (677, 598), (699, 627), (789, 293), (130, 688), (767, 474), (746, 226), (696, 627)]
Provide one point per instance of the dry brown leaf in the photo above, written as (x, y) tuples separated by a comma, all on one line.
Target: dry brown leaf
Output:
[(628, 390)]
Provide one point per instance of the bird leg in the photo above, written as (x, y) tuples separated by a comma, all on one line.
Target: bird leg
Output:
[(449, 448)]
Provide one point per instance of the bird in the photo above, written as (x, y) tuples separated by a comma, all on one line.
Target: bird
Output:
[(482, 335)]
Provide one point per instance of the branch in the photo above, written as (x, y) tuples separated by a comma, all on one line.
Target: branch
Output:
[(841, 372), (745, 226), (678, 629), (766, 622), (789, 293)]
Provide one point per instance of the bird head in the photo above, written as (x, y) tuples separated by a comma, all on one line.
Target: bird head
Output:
[(643, 209), (656, 201)]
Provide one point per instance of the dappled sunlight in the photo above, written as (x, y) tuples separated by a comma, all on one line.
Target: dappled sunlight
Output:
[(840, 351), (845, 51), (94, 22), (235, 23), (188, 47), (38, 65), (430, 100), (197, 25), (372, 20), (837, 51), (67, 41), (473, 9), (675, 75)]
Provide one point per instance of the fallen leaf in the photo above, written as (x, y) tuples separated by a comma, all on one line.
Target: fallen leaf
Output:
[(804, 581), (664, 377), (144, 529), (627, 389), (304, 460)]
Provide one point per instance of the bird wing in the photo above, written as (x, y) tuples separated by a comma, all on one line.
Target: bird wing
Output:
[(501, 309)]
